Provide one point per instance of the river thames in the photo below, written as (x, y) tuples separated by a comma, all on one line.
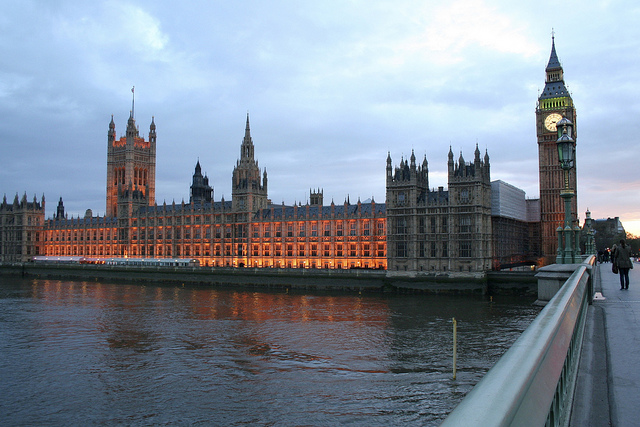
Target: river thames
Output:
[(90, 353)]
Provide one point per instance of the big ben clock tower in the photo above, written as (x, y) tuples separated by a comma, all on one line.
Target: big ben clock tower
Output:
[(554, 103)]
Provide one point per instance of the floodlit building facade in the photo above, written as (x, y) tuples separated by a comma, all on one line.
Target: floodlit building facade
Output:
[(432, 230), (246, 231)]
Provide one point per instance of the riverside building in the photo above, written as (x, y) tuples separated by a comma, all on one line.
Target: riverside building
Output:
[(417, 229), (246, 231), (431, 230)]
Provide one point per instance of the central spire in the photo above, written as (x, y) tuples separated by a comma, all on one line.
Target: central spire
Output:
[(248, 192), (132, 129), (246, 151), (247, 130)]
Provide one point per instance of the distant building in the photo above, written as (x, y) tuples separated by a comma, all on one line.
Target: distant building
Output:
[(466, 228), (608, 231), (508, 201), (21, 229), (516, 224)]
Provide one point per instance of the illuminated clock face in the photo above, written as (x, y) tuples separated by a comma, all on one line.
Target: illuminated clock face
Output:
[(551, 120)]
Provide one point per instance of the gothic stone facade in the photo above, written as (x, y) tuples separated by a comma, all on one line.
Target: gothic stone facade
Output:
[(247, 231), (131, 165), (21, 229), (438, 230), (427, 230)]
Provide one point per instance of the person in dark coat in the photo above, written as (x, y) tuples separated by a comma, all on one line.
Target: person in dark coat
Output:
[(623, 261)]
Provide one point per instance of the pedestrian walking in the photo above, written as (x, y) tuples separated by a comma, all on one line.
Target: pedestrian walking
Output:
[(622, 258)]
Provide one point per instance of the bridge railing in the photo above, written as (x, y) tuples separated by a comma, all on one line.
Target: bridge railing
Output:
[(533, 382)]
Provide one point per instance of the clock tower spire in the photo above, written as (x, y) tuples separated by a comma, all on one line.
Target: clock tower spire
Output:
[(554, 103)]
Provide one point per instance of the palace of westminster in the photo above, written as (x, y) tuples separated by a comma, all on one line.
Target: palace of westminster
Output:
[(473, 226)]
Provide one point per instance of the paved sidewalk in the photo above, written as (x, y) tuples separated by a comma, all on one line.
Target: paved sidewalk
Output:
[(608, 387)]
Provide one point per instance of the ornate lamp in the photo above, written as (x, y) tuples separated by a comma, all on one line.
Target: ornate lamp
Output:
[(566, 146), (566, 156)]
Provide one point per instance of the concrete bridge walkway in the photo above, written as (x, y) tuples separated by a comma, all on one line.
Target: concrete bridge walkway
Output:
[(608, 386)]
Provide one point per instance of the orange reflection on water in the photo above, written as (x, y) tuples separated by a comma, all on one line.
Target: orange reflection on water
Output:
[(261, 306)]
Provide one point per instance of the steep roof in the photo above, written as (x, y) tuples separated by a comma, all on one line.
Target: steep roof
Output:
[(554, 63)]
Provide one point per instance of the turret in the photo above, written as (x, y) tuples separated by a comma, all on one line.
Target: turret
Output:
[(264, 180), (132, 130), (425, 170), (201, 191), (111, 135), (60, 210), (316, 198), (450, 164), (152, 131)]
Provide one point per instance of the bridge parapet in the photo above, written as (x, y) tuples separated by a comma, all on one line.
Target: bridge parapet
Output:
[(533, 382)]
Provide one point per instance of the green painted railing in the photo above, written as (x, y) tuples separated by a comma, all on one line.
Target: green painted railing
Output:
[(532, 383)]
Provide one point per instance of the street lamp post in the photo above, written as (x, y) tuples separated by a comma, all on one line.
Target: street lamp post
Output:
[(590, 246), (567, 156)]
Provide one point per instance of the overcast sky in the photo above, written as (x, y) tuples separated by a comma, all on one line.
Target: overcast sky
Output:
[(330, 87)]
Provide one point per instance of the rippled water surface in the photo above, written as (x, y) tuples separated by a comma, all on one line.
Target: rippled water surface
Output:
[(101, 353)]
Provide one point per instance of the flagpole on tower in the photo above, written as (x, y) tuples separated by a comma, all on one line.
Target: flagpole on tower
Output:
[(133, 101)]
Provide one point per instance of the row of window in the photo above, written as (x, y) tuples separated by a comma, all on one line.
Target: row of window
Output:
[(401, 225), (465, 249), (61, 236), (140, 176), (17, 220), (319, 228), (464, 225), (401, 199), (258, 230), (554, 102), (16, 236), (315, 250), (257, 250)]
